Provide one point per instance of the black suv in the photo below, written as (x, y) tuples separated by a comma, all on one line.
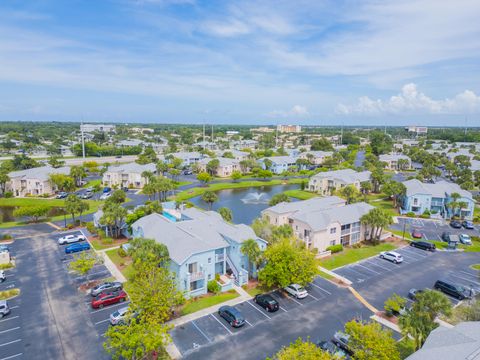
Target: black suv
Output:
[(452, 289), (456, 224), (424, 245), (446, 236), (267, 302), (232, 315), (333, 349)]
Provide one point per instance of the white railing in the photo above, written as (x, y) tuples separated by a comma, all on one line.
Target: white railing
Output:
[(219, 257), (197, 276)]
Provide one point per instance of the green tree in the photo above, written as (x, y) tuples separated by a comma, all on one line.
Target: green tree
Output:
[(32, 212), (78, 173), (304, 350), (72, 205), (433, 303), (278, 198), (62, 182), (394, 190), (204, 177), (350, 193), (369, 341), (142, 249), (209, 197), (226, 214), (321, 144), (378, 178), (380, 143), (268, 163), (84, 262), (288, 262), (212, 166), (252, 251), (417, 326), (377, 219), (55, 161), (236, 175), (265, 174), (394, 304), (113, 217), (148, 156), (4, 178), (117, 197)]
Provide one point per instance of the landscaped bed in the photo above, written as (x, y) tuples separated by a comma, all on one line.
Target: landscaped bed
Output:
[(102, 243), (205, 301), (8, 294), (124, 264)]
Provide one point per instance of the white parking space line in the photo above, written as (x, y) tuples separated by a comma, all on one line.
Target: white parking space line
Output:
[(466, 279), (281, 308), (14, 307), (10, 342), (413, 252), (292, 298), (439, 237), (11, 357), (256, 308), (312, 296), (12, 329), (366, 268), (380, 266), (222, 324), (318, 287), (248, 323), (102, 321), (110, 307), (469, 274), (200, 331), (9, 318)]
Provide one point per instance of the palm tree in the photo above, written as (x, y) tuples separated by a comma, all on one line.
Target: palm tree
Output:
[(377, 219), (462, 205), (252, 251), (147, 175), (209, 197), (78, 173), (453, 204)]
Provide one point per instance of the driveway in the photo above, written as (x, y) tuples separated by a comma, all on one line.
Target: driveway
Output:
[(48, 319)]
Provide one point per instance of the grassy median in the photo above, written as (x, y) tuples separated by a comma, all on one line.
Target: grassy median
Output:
[(205, 301)]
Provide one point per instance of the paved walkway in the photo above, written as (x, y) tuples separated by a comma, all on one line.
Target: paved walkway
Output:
[(116, 273)]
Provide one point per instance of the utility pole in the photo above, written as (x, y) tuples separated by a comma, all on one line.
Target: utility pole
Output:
[(341, 135), (212, 133), (203, 136), (83, 139)]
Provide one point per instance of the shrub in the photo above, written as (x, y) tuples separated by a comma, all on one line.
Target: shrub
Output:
[(6, 266), (357, 245), (217, 277), (91, 227), (8, 194), (425, 215), (6, 237), (121, 252), (107, 240), (70, 226), (214, 287), (335, 248), (394, 304), (411, 214)]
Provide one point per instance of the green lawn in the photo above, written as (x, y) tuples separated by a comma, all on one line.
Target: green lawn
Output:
[(106, 243), (300, 194), (7, 294), (385, 205), (183, 183), (188, 194), (123, 264), (93, 183), (351, 255), (475, 266), (325, 275), (203, 302)]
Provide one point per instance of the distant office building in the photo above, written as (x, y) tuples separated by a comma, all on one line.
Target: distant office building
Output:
[(419, 130), (289, 128), (263, 129), (142, 130), (232, 132), (89, 128)]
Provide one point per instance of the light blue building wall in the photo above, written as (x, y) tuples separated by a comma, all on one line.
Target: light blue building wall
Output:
[(418, 203)]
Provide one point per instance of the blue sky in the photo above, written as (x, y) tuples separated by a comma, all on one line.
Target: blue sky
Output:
[(252, 62)]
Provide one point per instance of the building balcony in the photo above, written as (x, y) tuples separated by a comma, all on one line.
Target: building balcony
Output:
[(219, 258), (199, 275)]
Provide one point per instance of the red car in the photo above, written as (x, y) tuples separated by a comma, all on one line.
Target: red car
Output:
[(417, 234), (105, 299)]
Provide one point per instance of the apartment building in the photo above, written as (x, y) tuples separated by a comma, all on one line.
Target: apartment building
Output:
[(396, 161), (127, 175), (289, 128), (35, 181), (225, 167), (316, 157), (326, 182)]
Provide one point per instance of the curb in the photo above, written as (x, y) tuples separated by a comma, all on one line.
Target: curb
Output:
[(362, 300), (386, 323)]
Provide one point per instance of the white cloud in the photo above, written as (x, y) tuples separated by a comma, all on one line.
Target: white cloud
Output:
[(411, 101), (295, 111), (231, 28)]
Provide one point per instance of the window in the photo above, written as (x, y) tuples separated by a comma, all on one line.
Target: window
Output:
[(209, 260), (209, 277), (192, 268), (333, 242), (333, 230), (415, 201), (346, 227)]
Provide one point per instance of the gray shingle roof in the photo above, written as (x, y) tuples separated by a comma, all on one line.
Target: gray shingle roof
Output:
[(439, 189), (313, 204), (320, 219), (347, 176), (390, 157), (461, 342), (200, 232), (132, 168), (42, 173)]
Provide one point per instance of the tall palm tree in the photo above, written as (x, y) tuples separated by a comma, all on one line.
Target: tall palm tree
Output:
[(462, 205), (453, 204), (209, 197), (252, 251)]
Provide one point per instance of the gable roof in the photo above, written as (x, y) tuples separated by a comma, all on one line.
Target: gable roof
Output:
[(347, 176), (321, 219), (132, 168), (41, 173), (439, 189), (390, 157), (313, 204), (462, 342)]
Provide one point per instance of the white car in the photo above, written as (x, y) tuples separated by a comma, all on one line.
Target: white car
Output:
[(296, 290), (119, 317), (465, 239), (105, 196), (391, 256), (3, 277), (69, 239)]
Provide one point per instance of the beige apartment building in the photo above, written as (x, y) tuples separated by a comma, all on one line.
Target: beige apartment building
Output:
[(127, 175), (392, 161), (225, 168), (326, 182), (35, 181)]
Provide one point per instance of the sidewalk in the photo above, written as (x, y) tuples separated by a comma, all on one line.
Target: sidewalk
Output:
[(244, 296), (117, 274)]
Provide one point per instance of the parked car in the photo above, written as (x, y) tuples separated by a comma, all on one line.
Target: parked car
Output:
[(118, 317), (187, 172), (4, 309), (412, 293), (296, 290), (106, 287), (391, 256), (424, 245), (87, 195), (417, 234), (4, 248), (232, 316), (107, 189), (77, 247), (105, 196), (341, 340), (456, 224), (332, 349), (465, 239), (468, 225), (446, 236), (61, 195), (70, 239), (90, 189), (267, 302), (3, 277), (125, 189), (455, 290), (105, 299)]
